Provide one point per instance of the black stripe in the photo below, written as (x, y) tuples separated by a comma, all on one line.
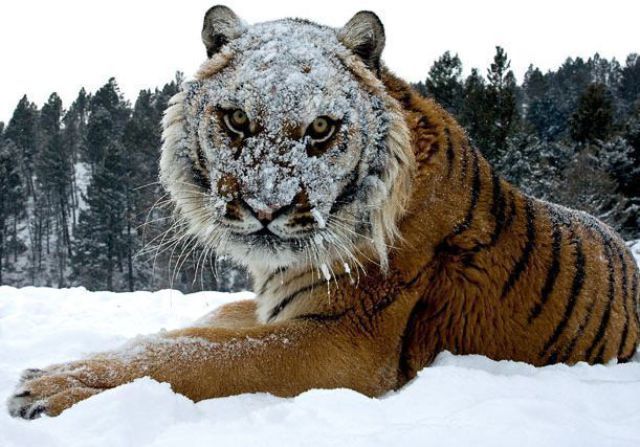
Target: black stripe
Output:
[(497, 207), (600, 356), (199, 165), (301, 220), (416, 320), (624, 338), (518, 269), (625, 297), (266, 282), (321, 317), (635, 310), (606, 315), (475, 195), (634, 296), (568, 350), (199, 170), (552, 273), (607, 242), (289, 298), (576, 288), (465, 162), (292, 280), (349, 192), (450, 153)]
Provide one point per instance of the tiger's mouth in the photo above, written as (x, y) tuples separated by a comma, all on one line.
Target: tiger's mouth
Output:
[(265, 239)]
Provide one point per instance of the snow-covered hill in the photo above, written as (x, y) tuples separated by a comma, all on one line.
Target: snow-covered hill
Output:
[(459, 401)]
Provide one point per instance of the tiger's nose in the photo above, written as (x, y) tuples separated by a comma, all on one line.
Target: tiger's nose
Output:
[(266, 214)]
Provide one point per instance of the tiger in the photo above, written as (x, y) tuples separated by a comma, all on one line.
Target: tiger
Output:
[(376, 234)]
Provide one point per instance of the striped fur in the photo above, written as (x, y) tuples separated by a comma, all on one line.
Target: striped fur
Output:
[(513, 277)]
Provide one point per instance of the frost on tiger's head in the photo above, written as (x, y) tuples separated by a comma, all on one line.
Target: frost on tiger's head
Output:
[(285, 148)]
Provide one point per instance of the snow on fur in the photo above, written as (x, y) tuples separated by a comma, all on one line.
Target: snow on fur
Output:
[(458, 401), (283, 75)]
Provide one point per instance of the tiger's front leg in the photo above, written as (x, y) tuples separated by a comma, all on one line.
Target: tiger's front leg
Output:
[(284, 359)]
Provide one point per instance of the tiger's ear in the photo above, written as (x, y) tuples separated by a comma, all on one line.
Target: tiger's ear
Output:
[(364, 36), (221, 25)]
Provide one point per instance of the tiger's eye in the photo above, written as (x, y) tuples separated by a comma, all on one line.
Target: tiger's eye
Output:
[(321, 129), (320, 125), (239, 118), (320, 133), (237, 122)]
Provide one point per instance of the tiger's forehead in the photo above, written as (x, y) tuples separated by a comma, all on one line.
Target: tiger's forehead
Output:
[(287, 70), (288, 43)]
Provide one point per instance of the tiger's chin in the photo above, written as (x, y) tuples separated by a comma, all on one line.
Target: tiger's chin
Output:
[(267, 251)]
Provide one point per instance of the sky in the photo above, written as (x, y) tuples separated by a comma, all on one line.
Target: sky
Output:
[(64, 45)]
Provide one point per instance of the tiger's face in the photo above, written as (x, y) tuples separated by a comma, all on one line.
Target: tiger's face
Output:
[(282, 150)]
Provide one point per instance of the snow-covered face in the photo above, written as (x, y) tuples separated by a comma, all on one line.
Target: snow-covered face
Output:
[(286, 147)]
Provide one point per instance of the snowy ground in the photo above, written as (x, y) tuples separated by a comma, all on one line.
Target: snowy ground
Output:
[(458, 401)]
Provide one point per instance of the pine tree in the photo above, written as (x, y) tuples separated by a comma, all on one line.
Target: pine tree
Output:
[(593, 119), (108, 116), (631, 132), (21, 130), (11, 203), (617, 157), (40, 219), (534, 165), (490, 110), (587, 186), (99, 238), (474, 116), (501, 97), (566, 85), (541, 111), (74, 140), (142, 140), (629, 86), (444, 82), (604, 71), (75, 126), (54, 172)]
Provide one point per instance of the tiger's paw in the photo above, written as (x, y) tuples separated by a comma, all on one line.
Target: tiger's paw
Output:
[(53, 390)]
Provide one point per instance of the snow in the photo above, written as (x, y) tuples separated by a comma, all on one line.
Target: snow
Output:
[(82, 176), (458, 401), (325, 272)]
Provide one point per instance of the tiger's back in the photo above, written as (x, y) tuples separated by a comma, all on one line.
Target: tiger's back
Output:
[(509, 276)]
